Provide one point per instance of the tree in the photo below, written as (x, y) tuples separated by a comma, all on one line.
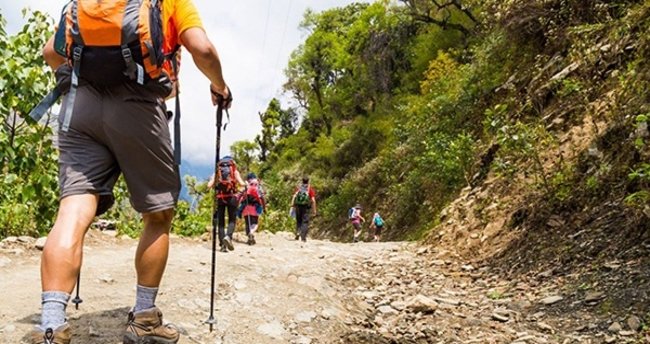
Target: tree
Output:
[(318, 65), (270, 124), (447, 14), (28, 168), (244, 153), (288, 122)]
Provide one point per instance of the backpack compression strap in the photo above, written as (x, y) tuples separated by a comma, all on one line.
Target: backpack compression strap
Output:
[(76, 66), (130, 24), (177, 117), (45, 104)]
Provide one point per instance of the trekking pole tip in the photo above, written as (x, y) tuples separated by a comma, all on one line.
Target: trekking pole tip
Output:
[(211, 321), (77, 300)]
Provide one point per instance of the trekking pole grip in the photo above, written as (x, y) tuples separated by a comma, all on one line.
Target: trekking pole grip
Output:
[(221, 101)]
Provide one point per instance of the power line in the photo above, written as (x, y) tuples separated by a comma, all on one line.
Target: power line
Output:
[(284, 33), (266, 27)]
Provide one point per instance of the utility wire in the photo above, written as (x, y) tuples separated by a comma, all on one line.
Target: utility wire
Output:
[(284, 34), (266, 27)]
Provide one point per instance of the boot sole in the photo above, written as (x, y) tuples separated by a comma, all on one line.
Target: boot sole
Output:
[(229, 244), (131, 338)]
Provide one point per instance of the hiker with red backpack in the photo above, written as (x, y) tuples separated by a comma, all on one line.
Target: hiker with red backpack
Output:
[(253, 204), (354, 215), (303, 200), (228, 182), (116, 62)]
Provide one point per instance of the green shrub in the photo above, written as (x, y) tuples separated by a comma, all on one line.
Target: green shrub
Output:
[(28, 196)]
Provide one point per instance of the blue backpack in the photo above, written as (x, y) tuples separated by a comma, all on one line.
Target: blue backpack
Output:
[(379, 222), (351, 213)]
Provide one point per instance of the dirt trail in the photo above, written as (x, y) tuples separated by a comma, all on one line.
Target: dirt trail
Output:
[(282, 291), (278, 291)]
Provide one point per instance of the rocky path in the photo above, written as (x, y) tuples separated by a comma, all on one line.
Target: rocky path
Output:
[(281, 291), (421, 295)]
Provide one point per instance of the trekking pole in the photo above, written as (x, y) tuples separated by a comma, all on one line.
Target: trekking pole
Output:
[(247, 218), (221, 102), (211, 320), (77, 300)]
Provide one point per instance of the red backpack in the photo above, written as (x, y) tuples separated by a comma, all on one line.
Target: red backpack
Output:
[(253, 194), (226, 181)]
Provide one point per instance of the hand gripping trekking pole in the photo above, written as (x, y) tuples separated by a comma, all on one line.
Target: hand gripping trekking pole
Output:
[(222, 103)]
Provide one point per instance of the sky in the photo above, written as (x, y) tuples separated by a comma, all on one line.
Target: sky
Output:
[(254, 39)]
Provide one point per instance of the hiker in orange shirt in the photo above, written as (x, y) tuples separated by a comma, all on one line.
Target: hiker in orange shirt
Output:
[(116, 71)]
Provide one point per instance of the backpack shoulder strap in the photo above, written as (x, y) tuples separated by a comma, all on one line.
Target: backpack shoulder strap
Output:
[(76, 64), (177, 117)]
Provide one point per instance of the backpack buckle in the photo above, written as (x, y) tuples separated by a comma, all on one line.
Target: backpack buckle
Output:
[(76, 53), (126, 53)]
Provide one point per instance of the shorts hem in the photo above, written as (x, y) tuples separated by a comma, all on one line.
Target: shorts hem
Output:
[(155, 208), (82, 191)]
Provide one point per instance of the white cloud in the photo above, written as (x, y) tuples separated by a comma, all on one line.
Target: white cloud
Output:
[(253, 61)]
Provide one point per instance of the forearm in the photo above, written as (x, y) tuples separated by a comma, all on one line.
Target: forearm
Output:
[(205, 56), (210, 65), (53, 59)]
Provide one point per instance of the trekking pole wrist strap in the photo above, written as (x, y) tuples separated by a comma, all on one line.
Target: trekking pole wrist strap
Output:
[(219, 96)]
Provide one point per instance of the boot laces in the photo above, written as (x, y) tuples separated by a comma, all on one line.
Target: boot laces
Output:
[(49, 336)]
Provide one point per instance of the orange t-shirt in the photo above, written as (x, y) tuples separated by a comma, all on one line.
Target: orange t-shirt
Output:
[(178, 16)]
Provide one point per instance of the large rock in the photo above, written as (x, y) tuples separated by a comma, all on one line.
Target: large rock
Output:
[(302, 340), (305, 317), (26, 239), (273, 329), (615, 327), (423, 304), (10, 240), (594, 297), (398, 305), (386, 310), (634, 323), (551, 300), (501, 315), (40, 243), (328, 313), (451, 302)]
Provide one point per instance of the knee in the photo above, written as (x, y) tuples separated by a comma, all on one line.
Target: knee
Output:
[(60, 246), (159, 219)]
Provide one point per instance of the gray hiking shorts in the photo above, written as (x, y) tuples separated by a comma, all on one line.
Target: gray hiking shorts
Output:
[(121, 130)]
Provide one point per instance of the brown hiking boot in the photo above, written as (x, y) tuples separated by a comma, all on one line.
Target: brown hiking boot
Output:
[(61, 335), (146, 327)]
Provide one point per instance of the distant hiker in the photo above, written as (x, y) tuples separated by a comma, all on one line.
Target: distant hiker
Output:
[(354, 215), (378, 225), (253, 205), (116, 71), (228, 182), (304, 200)]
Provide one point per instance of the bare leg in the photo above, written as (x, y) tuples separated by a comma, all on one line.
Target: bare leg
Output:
[(62, 254), (153, 248)]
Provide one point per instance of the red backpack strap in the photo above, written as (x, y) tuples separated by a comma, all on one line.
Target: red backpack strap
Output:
[(233, 176)]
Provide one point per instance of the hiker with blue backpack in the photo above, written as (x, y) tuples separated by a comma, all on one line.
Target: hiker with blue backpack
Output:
[(378, 225), (354, 215), (304, 200)]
